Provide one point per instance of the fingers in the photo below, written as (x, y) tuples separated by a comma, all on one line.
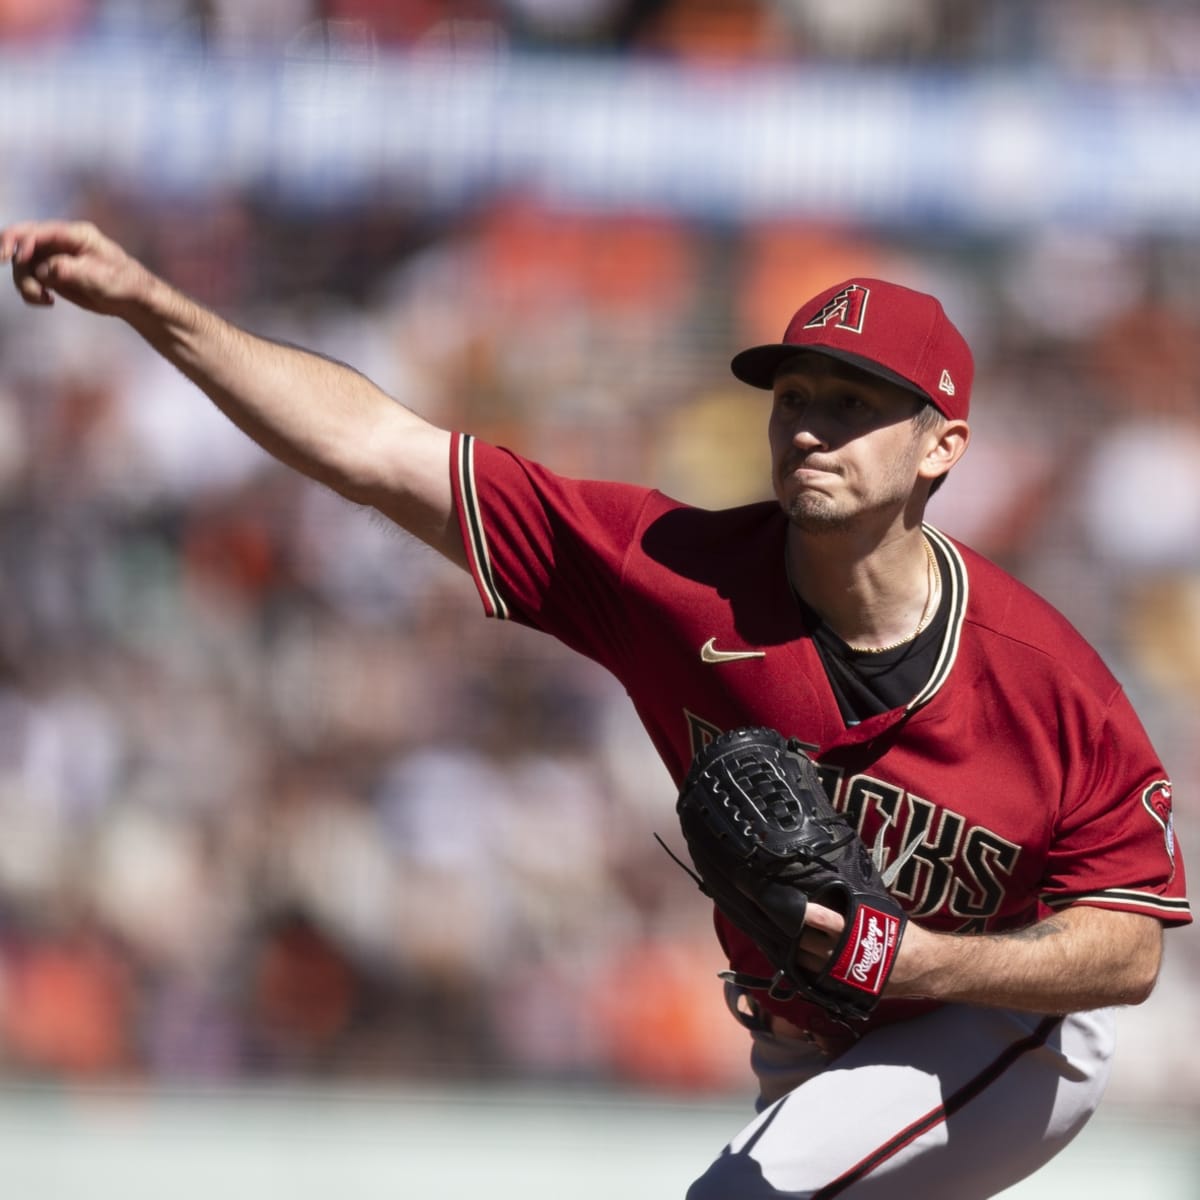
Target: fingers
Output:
[(23, 240), (11, 240), (823, 927), (33, 292), (32, 277), (20, 244), (69, 258), (825, 921), (36, 279)]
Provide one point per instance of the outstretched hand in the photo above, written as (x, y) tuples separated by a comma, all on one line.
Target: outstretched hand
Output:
[(75, 260)]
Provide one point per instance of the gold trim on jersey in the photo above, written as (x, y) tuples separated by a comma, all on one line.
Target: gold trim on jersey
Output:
[(954, 580), (1165, 906), (476, 535)]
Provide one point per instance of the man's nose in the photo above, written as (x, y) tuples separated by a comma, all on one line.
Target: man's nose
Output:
[(808, 430)]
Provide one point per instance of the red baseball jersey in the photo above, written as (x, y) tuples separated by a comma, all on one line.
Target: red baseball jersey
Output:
[(1017, 781)]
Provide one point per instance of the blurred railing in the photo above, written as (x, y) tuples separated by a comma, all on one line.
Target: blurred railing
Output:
[(992, 151)]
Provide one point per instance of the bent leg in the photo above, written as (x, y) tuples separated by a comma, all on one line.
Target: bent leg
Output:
[(958, 1104)]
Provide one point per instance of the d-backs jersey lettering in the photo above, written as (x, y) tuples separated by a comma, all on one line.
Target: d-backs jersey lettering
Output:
[(1017, 780)]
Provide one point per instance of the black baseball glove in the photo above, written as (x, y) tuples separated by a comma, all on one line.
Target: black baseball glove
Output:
[(765, 840)]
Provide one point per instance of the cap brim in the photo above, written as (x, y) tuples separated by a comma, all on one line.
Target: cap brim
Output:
[(758, 365)]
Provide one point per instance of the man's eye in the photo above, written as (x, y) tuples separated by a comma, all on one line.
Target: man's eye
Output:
[(851, 404)]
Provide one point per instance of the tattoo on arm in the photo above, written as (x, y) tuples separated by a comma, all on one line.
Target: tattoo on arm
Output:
[(1043, 929)]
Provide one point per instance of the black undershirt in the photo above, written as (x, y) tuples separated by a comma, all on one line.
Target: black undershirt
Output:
[(865, 682)]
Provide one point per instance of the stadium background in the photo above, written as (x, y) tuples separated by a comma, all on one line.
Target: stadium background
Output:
[(232, 707)]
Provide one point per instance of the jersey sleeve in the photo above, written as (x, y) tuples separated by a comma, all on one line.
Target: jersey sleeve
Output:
[(1114, 846), (545, 550)]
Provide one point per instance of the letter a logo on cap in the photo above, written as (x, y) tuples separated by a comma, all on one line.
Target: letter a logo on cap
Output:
[(845, 311)]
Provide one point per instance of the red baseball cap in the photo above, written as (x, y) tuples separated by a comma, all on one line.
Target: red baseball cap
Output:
[(891, 331)]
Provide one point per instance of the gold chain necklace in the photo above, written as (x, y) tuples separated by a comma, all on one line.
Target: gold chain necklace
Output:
[(933, 576)]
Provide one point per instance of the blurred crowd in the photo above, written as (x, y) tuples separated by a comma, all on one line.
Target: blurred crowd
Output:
[(1115, 38), (277, 801)]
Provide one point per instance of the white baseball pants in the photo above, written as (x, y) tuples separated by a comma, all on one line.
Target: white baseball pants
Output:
[(957, 1104)]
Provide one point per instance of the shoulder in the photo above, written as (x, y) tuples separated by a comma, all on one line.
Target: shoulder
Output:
[(1001, 604), (683, 523), (1011, 619), (661, 520), (496, 480), (717, 546), (1007, 612)]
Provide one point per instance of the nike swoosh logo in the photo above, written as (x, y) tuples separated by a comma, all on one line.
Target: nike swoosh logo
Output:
[(878, 853), (710, 654)]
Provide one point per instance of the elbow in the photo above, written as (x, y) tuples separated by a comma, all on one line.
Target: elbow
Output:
[(357, 479), (1141, 986), (1126, 950), (1139, 979), (1133, 994), (354, 488)]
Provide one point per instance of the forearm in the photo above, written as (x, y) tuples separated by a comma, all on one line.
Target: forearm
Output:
[(316, 415), (313, 414), (1078, 959)]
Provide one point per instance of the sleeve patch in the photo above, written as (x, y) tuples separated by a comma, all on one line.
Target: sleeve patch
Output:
[(1157, 799)]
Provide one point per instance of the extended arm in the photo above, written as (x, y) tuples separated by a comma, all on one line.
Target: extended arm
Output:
[(1080, 958), (316, 415)]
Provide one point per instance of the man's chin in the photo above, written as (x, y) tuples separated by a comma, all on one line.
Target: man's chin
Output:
[(814, 514)]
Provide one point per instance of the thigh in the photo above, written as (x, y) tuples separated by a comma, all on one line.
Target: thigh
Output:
[(954, 1105)]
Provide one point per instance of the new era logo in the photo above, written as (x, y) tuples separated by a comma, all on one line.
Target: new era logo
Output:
[(946, 384)]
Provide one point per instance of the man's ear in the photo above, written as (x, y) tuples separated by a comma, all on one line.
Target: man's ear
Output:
[(946, 446)]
